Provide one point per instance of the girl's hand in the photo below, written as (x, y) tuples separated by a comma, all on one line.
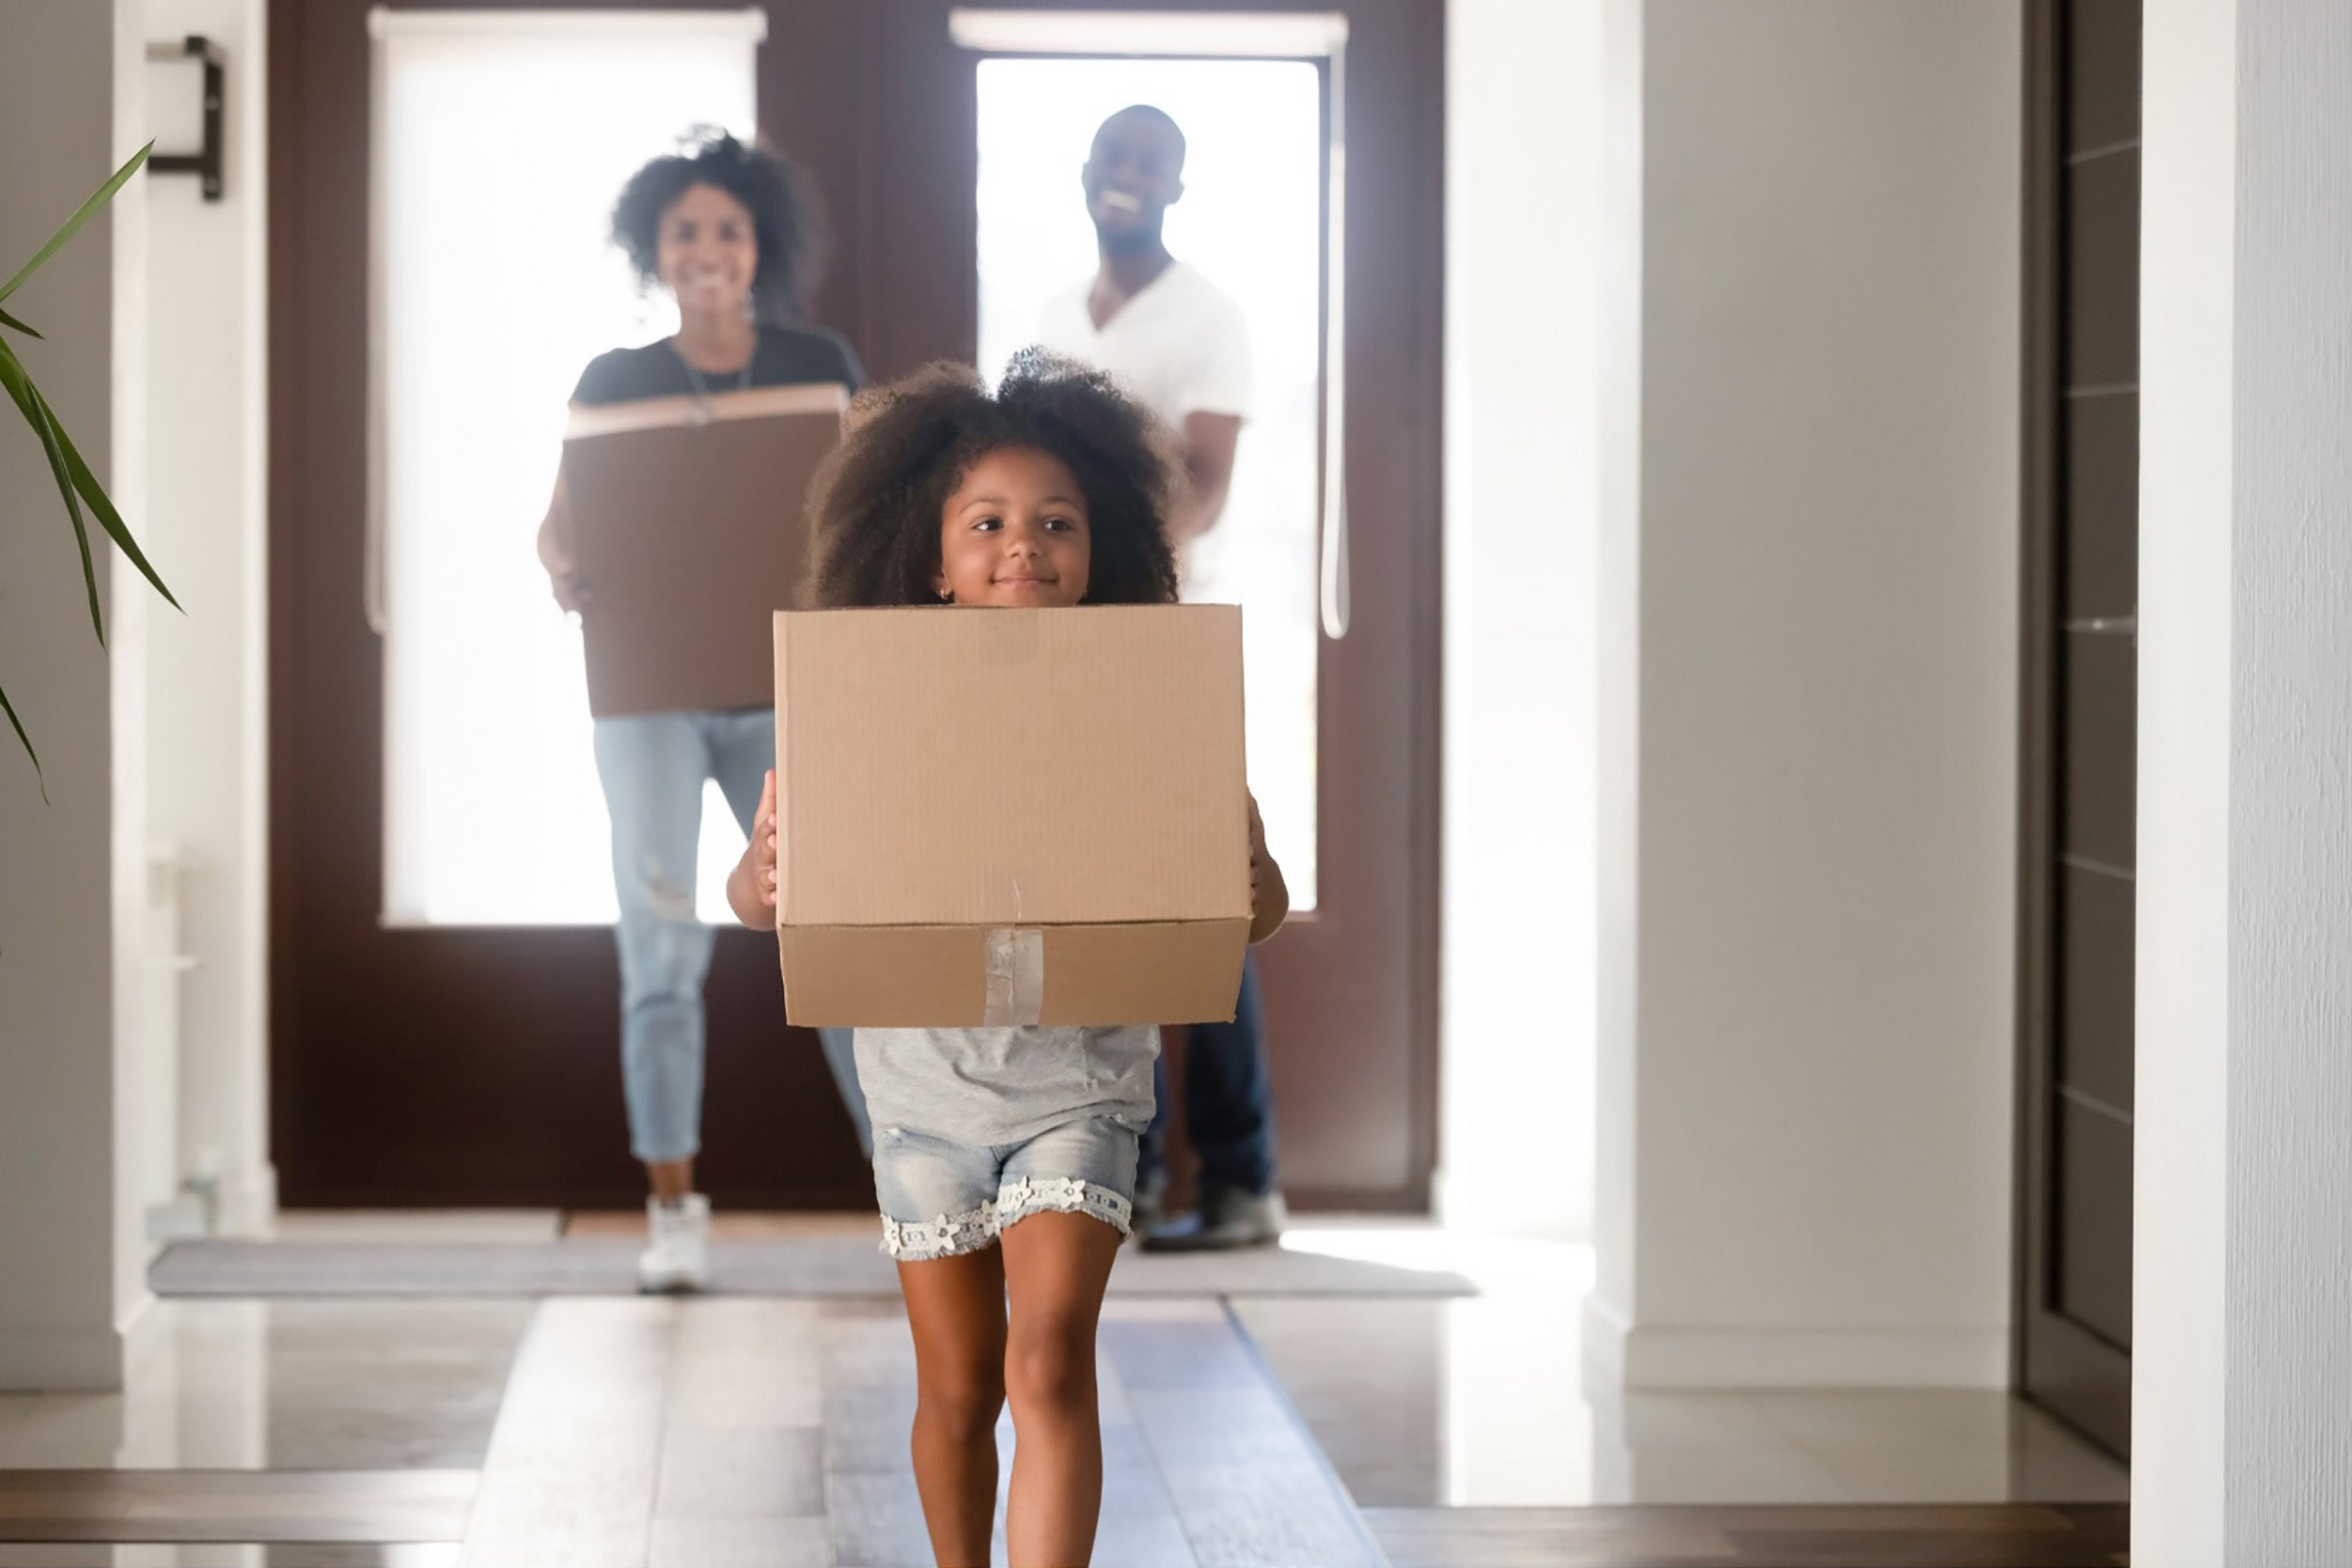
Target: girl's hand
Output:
[(1257, 854), (764, 844), (751, 885), (1270, 893)]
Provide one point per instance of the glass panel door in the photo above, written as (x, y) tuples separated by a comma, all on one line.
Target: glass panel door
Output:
[(500, 141), (1252, 222)]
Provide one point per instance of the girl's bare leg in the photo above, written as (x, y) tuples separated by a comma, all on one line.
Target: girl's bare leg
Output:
[(955, 1306), (1057, 1266)]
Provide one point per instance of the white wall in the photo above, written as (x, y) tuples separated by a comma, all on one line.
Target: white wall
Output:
[(204, 267), (2243, 1283), (1521, 502), (1810, 794), (70, 1283)]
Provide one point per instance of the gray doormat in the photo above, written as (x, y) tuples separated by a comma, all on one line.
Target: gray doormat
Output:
[(814, 1266)]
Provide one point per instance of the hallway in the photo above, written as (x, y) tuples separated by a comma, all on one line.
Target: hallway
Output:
[(1400, 1422), (1789, 548)]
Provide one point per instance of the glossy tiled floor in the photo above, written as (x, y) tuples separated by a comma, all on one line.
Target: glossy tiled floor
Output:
[(286, 1386), (619, 1432), (1481, 1402), (430, 1434)]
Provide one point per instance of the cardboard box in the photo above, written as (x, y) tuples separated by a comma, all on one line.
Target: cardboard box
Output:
[(1011, 816), (687, 524)]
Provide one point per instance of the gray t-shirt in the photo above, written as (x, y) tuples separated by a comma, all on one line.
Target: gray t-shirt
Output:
[(981, 1087)]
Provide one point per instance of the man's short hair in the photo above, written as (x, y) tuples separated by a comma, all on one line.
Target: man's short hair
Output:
[(1149, 112)]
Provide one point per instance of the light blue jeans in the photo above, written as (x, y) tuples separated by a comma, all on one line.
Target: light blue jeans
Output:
[(652, 767)]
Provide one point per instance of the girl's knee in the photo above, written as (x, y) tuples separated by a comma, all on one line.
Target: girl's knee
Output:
[(966, 1401), (1051, 1371)]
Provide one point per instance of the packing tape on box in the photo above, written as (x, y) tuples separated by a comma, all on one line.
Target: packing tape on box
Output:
[(1016, 977)]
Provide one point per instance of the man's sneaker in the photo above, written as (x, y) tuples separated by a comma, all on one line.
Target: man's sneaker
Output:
[(1149, 1208), (677, 1253), (1227, 1219)]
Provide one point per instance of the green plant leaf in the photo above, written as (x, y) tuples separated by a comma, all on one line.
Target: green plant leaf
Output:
[(18, 724), (9, 320), (105, 194), (101, 505), (36, 415)]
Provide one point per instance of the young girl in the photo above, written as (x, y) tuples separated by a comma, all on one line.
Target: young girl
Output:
[(1004, 1158)]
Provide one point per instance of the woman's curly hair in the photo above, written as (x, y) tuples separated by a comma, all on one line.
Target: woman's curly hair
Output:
[(777, 193), (874, 506)]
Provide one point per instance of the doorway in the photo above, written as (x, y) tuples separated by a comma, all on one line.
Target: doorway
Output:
[(467, 1060)]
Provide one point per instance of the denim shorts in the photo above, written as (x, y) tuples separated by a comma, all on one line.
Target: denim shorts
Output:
[(941, 1198)]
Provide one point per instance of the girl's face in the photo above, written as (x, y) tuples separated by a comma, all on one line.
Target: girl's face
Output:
[(1013, 533), (709, 252)]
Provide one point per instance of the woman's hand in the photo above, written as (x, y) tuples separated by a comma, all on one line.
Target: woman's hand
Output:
[(1270, 893), (571, 589), (751, 885), (555, 552)]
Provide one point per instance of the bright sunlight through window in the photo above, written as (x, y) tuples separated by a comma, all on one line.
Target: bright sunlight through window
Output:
[(1252, 221), (501, 143)]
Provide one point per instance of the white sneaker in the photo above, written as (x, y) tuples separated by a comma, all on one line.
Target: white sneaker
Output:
[(677, 1254)]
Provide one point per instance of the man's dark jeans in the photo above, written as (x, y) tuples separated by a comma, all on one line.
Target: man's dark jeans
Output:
[(1228, 1101)]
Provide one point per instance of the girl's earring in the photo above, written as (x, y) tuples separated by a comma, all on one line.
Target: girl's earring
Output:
[(946, 596)]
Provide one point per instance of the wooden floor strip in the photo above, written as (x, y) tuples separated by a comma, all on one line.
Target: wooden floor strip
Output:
[(236, 1505), (1993, 1536)]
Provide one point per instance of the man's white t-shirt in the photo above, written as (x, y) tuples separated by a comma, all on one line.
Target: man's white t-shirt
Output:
[(1181, 346)]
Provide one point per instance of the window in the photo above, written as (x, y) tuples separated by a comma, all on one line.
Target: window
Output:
[(500, 141), (1252, 220)]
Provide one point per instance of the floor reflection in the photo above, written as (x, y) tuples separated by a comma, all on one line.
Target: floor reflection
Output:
[(1481, 1402), (226, 1554), (285, 1386), (769, 1429)]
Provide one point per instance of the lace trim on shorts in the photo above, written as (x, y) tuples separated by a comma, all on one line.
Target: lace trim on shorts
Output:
[(953, 1235)]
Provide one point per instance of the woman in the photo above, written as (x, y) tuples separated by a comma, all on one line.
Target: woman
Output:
[(725, 228)]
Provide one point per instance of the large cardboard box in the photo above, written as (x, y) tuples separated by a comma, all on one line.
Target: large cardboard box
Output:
[(1011, 816), (687, 525)]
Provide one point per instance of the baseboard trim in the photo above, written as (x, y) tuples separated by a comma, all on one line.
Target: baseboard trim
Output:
[(1605, 1331), (249, 1201), (1635, 1356), (80, 1361)]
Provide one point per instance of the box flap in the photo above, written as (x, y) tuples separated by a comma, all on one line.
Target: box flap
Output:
[(586, 421), (939, 977)]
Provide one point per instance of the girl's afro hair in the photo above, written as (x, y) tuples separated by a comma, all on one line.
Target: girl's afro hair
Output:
[(874, 508)]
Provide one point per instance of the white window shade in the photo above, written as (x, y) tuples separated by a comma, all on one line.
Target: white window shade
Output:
[(502, 139), (1184, 35), (1252, 222)]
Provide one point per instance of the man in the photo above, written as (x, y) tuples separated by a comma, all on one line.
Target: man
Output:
[(1174, 341)]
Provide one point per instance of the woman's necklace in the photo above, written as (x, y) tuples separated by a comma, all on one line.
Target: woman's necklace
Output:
[(702, 388)]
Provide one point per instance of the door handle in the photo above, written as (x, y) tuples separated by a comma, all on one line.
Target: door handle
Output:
[(1333, 564), (372, 545)]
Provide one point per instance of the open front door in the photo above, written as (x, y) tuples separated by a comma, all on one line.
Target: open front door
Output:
[(477, 1060)]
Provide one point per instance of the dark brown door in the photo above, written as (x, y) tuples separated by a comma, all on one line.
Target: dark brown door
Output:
[(475, 1066), (2082, 599)]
